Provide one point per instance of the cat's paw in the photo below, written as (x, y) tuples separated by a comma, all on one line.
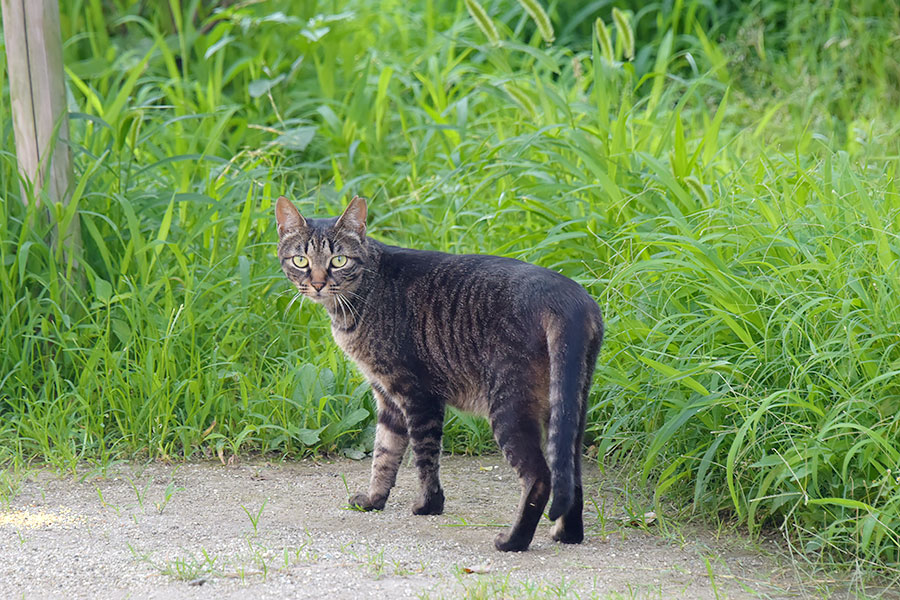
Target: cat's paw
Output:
[(361, 501), (567, 535), (430, 504), (511, 543)]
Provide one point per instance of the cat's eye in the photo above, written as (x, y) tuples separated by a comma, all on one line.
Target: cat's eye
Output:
[(301, 262), (338, 261)]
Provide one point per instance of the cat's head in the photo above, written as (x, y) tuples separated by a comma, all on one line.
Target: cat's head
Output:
[(324, 258)]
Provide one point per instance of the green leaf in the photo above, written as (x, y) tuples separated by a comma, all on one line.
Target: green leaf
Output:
[(297, 138), (260, 87), (307, 437), (355, 417), (102, 289), (675, 375)]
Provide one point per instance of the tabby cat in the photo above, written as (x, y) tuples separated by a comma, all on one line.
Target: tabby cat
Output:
[(495, 336)]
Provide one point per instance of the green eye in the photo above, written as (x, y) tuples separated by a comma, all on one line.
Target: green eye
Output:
[(338, 261), (301, 262)]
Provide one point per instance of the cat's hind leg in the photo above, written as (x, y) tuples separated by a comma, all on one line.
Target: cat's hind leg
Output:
[(518, 433), (391, 439), (569, 528)]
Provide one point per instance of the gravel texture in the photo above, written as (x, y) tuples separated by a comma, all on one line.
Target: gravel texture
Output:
[(264, 530)]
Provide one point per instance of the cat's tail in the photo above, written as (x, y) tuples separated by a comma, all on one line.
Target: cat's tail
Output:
[(573, 344)]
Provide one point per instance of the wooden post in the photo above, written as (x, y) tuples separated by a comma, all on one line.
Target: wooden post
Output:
[(38, 101)]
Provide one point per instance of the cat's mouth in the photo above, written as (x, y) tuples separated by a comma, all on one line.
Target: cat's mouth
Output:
[(319, 295), (337, 302), (325, 296)]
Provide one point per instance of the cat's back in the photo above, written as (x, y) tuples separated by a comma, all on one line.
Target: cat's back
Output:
[(484, 280)]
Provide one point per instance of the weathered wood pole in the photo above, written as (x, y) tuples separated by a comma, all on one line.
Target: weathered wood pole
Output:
[(38, 101)]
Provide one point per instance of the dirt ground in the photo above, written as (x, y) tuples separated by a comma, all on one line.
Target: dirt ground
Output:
[(264, 530)]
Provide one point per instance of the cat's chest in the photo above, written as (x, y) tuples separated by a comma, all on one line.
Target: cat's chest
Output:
[(390, 361), (365, 352), (385, 359)]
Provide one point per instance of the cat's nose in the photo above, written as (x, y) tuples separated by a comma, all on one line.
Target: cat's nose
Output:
[(318, 285)]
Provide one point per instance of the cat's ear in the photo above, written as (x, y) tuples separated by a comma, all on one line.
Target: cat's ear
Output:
[(287, 216), (354, 217)]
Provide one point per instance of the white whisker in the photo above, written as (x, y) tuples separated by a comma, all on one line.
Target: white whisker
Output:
[(353, 310), (298, 294), (342, 303), (354, 294)]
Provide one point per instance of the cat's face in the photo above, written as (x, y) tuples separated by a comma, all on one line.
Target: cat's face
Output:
[(324, 258)]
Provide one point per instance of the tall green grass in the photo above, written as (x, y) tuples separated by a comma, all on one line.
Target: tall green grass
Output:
[(710, 172)]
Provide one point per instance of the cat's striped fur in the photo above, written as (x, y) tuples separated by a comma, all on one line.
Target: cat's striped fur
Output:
[(495, 336)]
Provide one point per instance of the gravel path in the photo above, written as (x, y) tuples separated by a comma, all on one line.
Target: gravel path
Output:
[(261, 530)]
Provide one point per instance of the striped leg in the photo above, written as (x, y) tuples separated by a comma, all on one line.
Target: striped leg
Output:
[(391, 439), (519, 436), (426, 423)]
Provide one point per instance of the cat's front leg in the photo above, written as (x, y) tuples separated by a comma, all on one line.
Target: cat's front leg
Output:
[(425, 420), (391, 439)]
